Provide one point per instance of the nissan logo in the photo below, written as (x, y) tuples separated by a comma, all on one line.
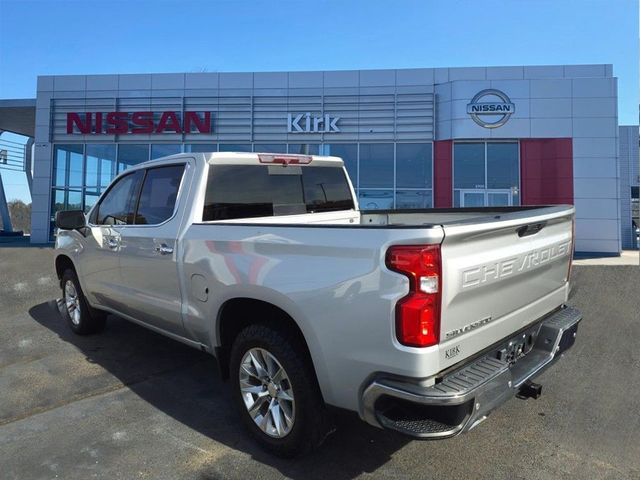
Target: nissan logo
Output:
[(494, 111)]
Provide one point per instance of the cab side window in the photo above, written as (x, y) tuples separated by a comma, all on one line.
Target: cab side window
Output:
[(118, 205), (159, 194)]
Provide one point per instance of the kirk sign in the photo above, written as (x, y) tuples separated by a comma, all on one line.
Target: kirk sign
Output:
[(122, 123), (305, 123)]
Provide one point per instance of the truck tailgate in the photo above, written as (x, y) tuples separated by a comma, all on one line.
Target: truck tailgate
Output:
[(502, 272)]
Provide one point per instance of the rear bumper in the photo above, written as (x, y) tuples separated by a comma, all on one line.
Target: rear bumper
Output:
[(464, 397)]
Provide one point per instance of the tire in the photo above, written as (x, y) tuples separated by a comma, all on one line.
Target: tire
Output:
[(82, 319), (303, 420)]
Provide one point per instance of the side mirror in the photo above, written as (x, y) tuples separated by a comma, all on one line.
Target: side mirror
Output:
[(70, 219)]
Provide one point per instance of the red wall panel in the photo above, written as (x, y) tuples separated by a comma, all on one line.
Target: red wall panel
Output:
[(443, 173), (546, 171)]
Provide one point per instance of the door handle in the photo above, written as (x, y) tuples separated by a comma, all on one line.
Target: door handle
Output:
[(164, 249), (112, 243)]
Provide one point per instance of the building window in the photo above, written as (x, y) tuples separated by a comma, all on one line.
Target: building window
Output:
[(100, 165), (413, 199), (74, 200), (304, 148), (58, 202), (164, 150), (90, 199), (68, 165), (201, 148), (349, 154), (270, 148), (414, 175), (376, 165), (376, 176), (503, 170), (375, 199), (232, 147), (130, 155), (486, 174), (68, 179)]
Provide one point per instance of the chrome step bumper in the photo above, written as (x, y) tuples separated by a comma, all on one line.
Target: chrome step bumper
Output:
[(463, 398)]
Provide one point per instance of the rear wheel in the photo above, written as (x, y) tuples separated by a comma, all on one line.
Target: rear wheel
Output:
[(274, 388), (82, 319)]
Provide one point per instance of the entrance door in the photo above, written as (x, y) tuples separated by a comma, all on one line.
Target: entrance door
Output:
[(472, 198), (499, 198), (486, 198)]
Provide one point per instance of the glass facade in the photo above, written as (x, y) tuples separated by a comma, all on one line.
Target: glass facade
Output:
[(70, 178), (486, 174), (349, 154), (131, 154), (201, 147), (231, 147), (414, 175), (164, 150), (68, 165), (270, 147), (101, 165), (384, 175), (304, 148), (375, 179)]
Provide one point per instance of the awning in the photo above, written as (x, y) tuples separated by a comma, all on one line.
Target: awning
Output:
[(18, 116)]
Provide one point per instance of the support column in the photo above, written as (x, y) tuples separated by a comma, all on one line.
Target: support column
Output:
[(443, 174), (28, 161), (4, 210)]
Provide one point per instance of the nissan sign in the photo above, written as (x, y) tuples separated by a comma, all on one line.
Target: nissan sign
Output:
[(490, 108), (120, 123)]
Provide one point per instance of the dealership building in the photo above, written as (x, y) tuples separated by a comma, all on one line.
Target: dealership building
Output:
[(410, 138)]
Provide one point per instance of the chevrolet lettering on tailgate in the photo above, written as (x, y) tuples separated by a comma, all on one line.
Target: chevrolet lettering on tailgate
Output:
[(494, 271)]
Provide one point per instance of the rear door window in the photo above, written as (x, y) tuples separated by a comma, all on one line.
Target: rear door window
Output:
[(249, 191), (159, 194)]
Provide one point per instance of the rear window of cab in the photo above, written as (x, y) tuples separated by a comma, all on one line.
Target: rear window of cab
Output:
[(249, 191)]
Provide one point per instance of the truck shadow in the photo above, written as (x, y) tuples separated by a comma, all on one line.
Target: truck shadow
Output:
[(183, 383)]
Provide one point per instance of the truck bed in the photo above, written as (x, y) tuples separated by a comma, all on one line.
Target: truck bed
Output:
[(402, 218), (448, 216), (502, 268)]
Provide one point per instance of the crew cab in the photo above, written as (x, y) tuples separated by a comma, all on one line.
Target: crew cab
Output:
[(421, 321)]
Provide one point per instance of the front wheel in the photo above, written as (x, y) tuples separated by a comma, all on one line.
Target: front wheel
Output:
[(82, 319), (274, 388)]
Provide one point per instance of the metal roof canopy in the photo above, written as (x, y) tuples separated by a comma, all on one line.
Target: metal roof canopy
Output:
[(18, 116)]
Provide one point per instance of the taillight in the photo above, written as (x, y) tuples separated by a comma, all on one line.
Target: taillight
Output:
[(418, 314)]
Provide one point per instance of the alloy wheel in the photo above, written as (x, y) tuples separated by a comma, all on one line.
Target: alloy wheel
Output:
[(267, 393), (72, 302)]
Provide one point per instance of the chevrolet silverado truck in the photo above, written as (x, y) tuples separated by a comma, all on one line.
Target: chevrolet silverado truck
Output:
[(421, 321)]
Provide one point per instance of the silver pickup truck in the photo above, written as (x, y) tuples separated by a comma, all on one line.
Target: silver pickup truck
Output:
[(421, 321)]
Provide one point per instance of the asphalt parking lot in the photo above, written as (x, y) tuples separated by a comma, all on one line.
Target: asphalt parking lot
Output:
[(131, 404)]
